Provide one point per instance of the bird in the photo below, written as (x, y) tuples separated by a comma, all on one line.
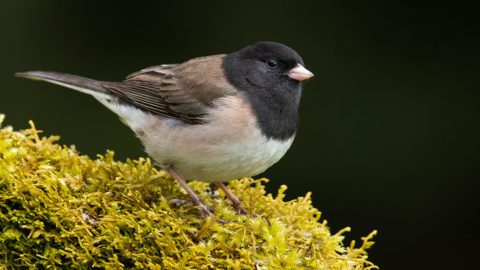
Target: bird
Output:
[(213, 118)]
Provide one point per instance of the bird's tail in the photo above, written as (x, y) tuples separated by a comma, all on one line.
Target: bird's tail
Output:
[(82, 84)]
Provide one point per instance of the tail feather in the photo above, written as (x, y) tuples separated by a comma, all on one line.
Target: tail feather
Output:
[(82, 84)]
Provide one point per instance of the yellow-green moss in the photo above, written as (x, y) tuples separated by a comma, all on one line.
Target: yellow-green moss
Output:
[(62, 210)]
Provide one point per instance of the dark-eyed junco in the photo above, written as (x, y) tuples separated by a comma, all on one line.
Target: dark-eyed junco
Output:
[(213, 118)]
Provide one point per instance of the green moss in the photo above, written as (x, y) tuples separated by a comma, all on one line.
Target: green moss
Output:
[(59, 209)]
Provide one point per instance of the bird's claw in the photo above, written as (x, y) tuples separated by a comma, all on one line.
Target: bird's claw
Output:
[(180, 202), (240, 210), (205, 211)]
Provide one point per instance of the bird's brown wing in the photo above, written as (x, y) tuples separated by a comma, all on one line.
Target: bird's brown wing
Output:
[(182, 91)]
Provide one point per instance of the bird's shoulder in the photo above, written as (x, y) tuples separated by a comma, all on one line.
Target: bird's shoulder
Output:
[(200, 70)]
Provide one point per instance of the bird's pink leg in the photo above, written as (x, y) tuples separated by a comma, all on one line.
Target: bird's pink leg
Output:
[(236, 202), (195, 199)]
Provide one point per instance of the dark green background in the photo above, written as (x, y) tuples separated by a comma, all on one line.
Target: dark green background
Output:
[(389, 134)]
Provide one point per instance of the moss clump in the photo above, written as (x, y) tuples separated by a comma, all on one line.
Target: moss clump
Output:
[(62, 210)]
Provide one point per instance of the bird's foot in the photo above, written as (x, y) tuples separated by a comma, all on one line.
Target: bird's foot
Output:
[(204, 210), (180, 202), (241, 210)]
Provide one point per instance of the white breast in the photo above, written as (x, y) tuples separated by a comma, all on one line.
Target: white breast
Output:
[(229, 147)]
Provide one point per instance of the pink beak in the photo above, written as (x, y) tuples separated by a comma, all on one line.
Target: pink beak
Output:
[(299, 73)]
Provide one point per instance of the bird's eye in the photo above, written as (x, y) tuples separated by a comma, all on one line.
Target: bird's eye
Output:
[(272, 62)]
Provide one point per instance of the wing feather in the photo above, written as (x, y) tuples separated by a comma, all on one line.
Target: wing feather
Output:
[(181, 91)]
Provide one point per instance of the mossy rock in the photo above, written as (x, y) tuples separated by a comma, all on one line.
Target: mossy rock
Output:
[(62, 210)]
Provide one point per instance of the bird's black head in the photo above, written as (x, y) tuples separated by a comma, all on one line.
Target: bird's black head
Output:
[(264, 65), (270, 75)]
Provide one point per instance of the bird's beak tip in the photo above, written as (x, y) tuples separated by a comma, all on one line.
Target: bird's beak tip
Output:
[(300, 73)]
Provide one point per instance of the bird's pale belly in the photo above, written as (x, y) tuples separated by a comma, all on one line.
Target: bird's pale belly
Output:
[(228, 147), (223, 161)]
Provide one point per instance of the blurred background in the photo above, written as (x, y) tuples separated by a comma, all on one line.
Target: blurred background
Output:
[(390, 133)]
